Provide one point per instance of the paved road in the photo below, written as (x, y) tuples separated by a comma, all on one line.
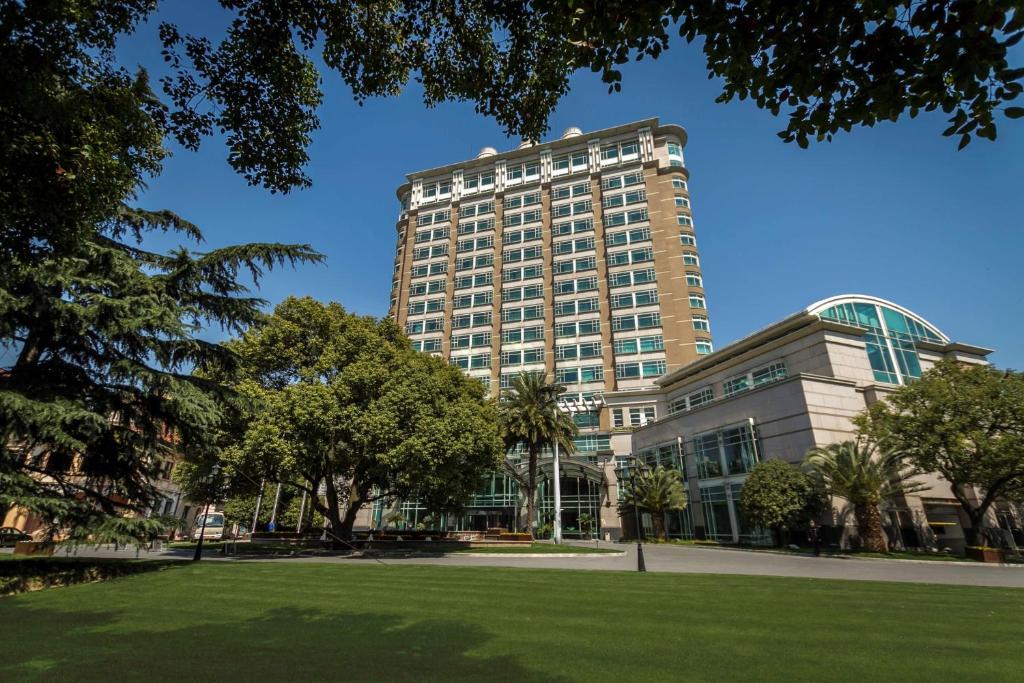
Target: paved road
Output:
[(682, 559)]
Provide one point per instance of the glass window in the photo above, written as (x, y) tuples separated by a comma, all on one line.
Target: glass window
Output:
[(627, 370)]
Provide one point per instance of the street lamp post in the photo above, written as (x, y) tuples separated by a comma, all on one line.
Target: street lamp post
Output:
[(209, 479), (641, 566), (557, 476)]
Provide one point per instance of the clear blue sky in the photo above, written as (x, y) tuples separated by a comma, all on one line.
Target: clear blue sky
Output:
[(894, 211)]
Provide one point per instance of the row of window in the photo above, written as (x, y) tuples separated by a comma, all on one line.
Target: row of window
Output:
[(634, 417), (476, 361), (579, 375), (522, 200), (511, 220), (640, 369), (474, 227), (754, 378), (478, 209), (561, 165), (471, 300), (772, 372), (646, 297)]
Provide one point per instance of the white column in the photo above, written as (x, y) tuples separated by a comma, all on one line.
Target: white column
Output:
[(558, 497)]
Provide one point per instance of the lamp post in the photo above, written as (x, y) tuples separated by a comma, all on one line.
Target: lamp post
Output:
[(641, 566), (208, 480)]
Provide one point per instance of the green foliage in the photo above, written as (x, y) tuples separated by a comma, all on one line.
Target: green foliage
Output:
[(866, 477), (776, 495), (102, 330), (529, 416), (656, 491), (342, 403), (828, 66), (965, 422)]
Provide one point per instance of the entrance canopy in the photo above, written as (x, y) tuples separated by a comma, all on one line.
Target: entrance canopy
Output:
[(571, 467)]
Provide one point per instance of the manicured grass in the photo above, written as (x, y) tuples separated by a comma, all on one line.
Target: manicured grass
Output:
[(283, 620), (538, 548)]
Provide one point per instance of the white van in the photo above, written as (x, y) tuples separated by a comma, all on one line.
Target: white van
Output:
[(216, 529)]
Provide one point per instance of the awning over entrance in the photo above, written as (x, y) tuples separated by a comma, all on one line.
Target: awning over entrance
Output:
[(571, 467)]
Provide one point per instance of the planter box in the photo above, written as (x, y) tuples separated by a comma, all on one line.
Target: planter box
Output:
[(985, 554), (33, 548)]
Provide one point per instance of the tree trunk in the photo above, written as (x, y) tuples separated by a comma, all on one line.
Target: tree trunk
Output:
[(658, 521), (975, 535), (531, 485), (355, 504), (333, 513), (869, 528)]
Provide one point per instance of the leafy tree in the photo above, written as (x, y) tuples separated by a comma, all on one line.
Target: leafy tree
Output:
[(965, 422), (658, 491), (829, 67), (530, 417), (344, 405), (776, 496), (865, 477), (100, 393), (100, 330)]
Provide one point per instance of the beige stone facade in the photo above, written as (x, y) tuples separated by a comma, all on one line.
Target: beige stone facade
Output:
[(782, 391), (576, 257)]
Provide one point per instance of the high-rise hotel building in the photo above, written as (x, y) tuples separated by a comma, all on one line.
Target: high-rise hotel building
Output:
[(577, 257)]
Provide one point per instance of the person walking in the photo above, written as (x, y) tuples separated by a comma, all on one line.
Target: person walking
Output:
[(814, 536)]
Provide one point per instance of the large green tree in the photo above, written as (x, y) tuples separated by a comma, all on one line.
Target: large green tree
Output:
[(532, 419), (865, 476), (346, 410), (776, 496), (965, 422), (99, 334), (828, 66)]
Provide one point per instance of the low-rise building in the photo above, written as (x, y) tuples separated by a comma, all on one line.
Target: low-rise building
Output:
[(779, 392)]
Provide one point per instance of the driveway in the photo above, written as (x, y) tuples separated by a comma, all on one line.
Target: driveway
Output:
[(683, 559)]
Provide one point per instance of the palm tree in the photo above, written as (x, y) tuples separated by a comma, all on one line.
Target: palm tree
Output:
[(865, 476), (530, 416), (656, 491)]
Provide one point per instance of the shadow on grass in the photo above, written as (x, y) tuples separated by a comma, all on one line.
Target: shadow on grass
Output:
[(27, 574), (279, 644)]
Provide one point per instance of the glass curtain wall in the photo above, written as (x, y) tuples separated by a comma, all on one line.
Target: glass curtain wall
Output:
[(889, 335)]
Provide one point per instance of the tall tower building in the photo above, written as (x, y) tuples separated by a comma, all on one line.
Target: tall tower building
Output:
[(576, 257)]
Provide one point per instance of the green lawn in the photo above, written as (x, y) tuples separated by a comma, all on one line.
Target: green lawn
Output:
[(303, 621)]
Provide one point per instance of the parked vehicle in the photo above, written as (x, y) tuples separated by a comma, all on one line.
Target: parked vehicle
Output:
[(9, 536), (216, 529)]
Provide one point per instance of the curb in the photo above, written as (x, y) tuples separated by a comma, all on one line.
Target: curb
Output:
[(538, 555), (941, 563)]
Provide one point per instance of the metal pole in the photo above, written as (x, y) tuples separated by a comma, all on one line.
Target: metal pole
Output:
[(199, 546), (302, 511), (641, 566), (558, 496), (273, 513), (259, 502)]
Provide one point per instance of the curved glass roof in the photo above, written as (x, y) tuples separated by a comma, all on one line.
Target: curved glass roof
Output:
[(890, 333), (871, 313)]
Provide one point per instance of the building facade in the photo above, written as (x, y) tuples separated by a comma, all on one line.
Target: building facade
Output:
[(576, 257), (783, 390)]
